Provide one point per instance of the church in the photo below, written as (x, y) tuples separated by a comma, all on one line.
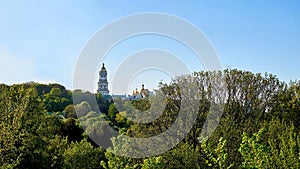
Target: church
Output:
[(103, 88), (103, 83)]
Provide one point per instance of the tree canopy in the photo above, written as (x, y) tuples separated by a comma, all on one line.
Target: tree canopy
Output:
[(41, 126)]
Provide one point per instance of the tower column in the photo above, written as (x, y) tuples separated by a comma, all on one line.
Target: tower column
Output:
[(103, 83)]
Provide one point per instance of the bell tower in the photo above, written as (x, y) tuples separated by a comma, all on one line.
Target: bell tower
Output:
[(103, 83)]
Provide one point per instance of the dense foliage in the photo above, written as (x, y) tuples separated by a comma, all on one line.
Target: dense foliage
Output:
[(41, 127)]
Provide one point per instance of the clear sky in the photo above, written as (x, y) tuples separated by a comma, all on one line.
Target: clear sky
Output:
[(41, 40)]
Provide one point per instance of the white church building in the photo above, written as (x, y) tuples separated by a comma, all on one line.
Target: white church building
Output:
[(103, 89)]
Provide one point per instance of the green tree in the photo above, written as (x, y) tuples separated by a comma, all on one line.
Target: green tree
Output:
[(82, 109), (182, 156), (54, 101), (55, 151), (216, 157), (153, 163), (70, 111), (83, 155), (102, 103), (116, 162), (112, 112), (284, 144), (254, 152), (72, 129), (19, 110), (27, 132)]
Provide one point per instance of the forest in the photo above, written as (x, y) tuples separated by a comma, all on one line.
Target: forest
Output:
[(43, 127)]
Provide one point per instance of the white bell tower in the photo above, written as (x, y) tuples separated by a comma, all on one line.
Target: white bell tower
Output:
[(103, 83)]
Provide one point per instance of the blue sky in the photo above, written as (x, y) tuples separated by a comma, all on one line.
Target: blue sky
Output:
[(41, 40)]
